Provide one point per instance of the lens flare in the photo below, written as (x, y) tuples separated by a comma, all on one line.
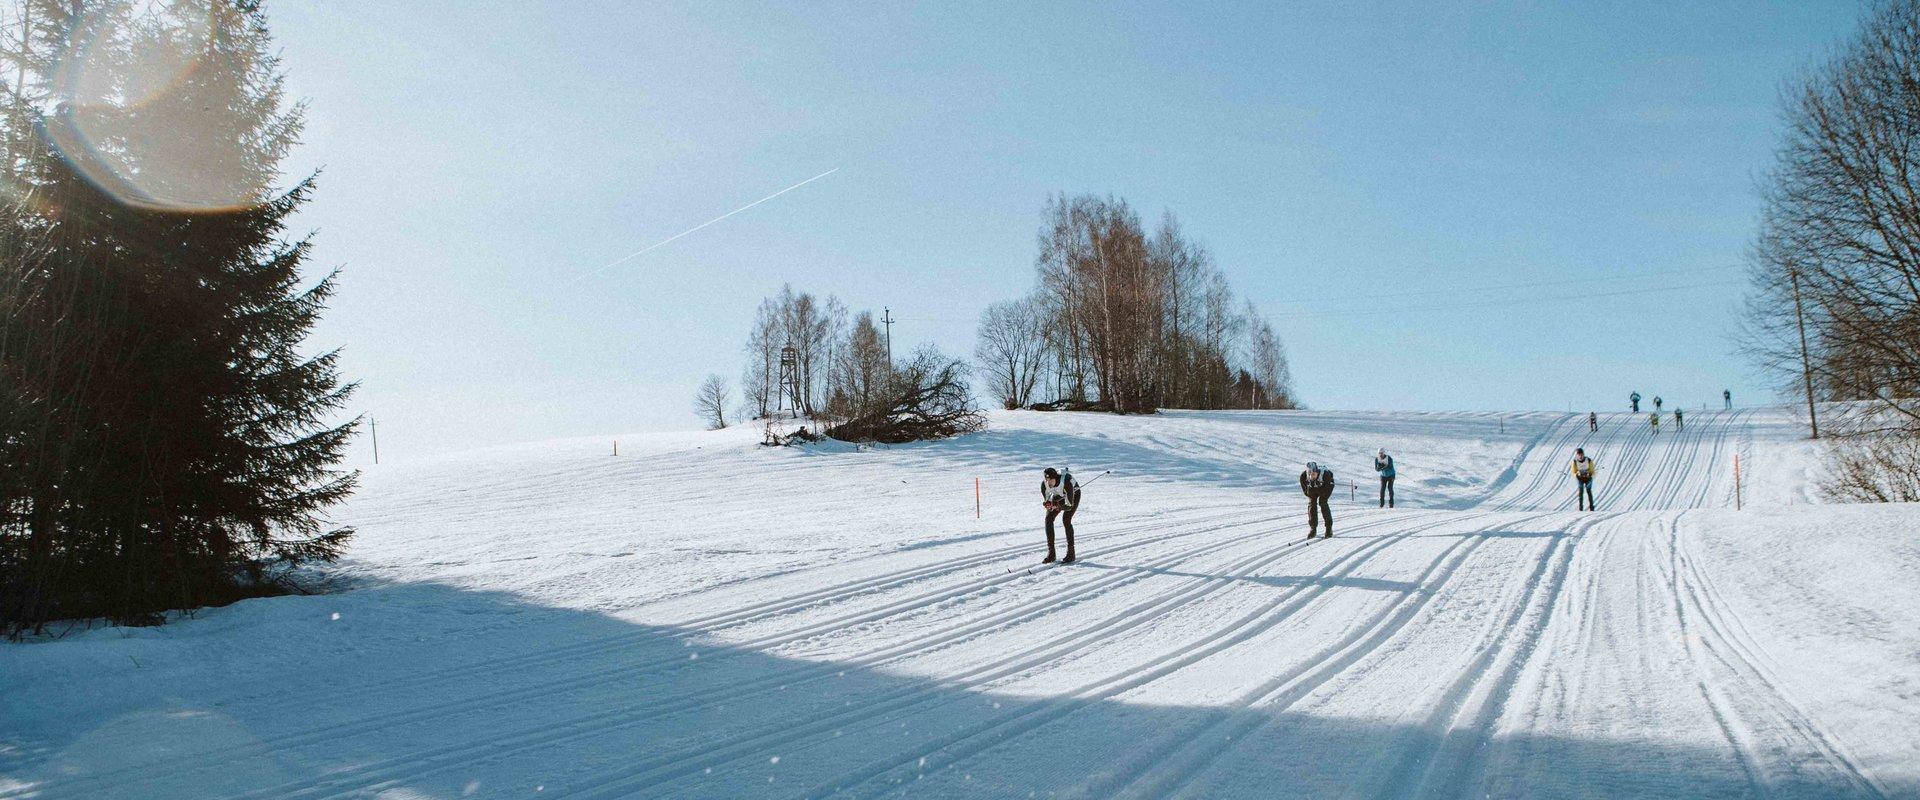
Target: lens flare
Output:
[(151, 111)]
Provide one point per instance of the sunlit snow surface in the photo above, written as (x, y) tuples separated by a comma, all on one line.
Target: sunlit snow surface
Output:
[(703, 617)]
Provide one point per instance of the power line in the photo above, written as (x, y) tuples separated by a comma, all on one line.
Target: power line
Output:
[(1586, 281), (1512, 301)]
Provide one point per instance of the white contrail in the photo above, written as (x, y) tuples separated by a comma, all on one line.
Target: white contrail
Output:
[(669, 240)]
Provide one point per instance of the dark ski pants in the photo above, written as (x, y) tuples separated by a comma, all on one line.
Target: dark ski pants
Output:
[(1386, 498), (1585, 496), (1316, 508), (1593, 424), (1066, 520)]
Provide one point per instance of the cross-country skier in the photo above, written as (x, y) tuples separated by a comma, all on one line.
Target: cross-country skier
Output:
[(1593, 420), (1657, 402), (1727, 395), (1654, 419), (1679, 420), (1061, 497), (1583, 475), (1382, 464), (1317, 484), (1635, 397)]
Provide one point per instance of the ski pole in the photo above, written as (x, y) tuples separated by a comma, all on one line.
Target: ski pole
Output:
[(1102, 474)]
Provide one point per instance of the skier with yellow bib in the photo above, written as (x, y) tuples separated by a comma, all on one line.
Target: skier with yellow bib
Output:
[(1582, 469)]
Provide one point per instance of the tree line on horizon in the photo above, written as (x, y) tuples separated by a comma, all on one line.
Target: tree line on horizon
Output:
[(1121, 320), (1834, 310), (842, 376), (1127, 321)]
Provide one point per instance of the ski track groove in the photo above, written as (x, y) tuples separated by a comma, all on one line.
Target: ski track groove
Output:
[(1463, 748), (638, 781), (1725, 638), (148, 770), (1721, 707), (1179, 760), (1450, 750), (1251, 625), (411, 766)]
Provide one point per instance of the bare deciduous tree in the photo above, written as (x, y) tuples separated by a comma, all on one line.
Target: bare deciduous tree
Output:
[(861, 376), (759, 381), (1835, 307), (710, 402), (1012, 349), (1145, 321)]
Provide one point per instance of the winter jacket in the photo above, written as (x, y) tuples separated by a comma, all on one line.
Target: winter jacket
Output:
[(1583, 468), (1383, 465), (1323, 487), (1066, 493)]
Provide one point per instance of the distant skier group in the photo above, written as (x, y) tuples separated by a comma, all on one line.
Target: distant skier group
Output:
[(1060, 495), (1653, 419)]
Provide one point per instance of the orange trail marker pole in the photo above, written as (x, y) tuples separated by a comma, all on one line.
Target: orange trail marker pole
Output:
[(976, 498)]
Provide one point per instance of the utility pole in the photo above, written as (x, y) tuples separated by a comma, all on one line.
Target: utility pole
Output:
[(374, 425), (1806, 362), (886, 318)]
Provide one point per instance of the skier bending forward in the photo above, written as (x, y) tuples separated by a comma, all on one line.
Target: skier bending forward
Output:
[(1583, 468), (1317, 484), (1061, 496), (1382, 464)]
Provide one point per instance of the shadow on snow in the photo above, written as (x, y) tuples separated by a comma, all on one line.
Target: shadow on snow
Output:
[(432, 691)]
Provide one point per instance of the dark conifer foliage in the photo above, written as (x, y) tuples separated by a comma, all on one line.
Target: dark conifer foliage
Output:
[(165, 442)]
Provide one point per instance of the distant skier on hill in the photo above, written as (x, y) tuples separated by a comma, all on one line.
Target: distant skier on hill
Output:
[(1654, 420), (1061, 497), (1657, 402), (1727, 395), (1382, 464), (1593, 421), (1635, 398), (1317, 484), (1582, 469), (1679, 420)]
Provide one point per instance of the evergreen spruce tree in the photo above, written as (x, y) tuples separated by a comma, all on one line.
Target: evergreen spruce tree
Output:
[(189, 448)]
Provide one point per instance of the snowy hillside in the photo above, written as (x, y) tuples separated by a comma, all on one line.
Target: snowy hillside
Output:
[(703, 617)]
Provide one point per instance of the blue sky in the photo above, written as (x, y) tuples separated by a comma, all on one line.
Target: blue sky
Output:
[(1366, 175)]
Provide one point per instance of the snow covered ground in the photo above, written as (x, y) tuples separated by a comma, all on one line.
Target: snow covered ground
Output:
[(702, 617)]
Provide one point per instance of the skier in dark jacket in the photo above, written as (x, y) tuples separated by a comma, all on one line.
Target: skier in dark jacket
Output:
[(1382, 464), (1635, 397), (1317, 484), (1679, 419), (1727, 395), (1593, 421), (1061, 497)]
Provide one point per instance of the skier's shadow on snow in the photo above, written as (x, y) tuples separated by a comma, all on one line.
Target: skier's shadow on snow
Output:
[(1023, 449), (431, 690), (1279, 581), (1505, 534)]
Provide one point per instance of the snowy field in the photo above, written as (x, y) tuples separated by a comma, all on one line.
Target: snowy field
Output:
[(703, 617)]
